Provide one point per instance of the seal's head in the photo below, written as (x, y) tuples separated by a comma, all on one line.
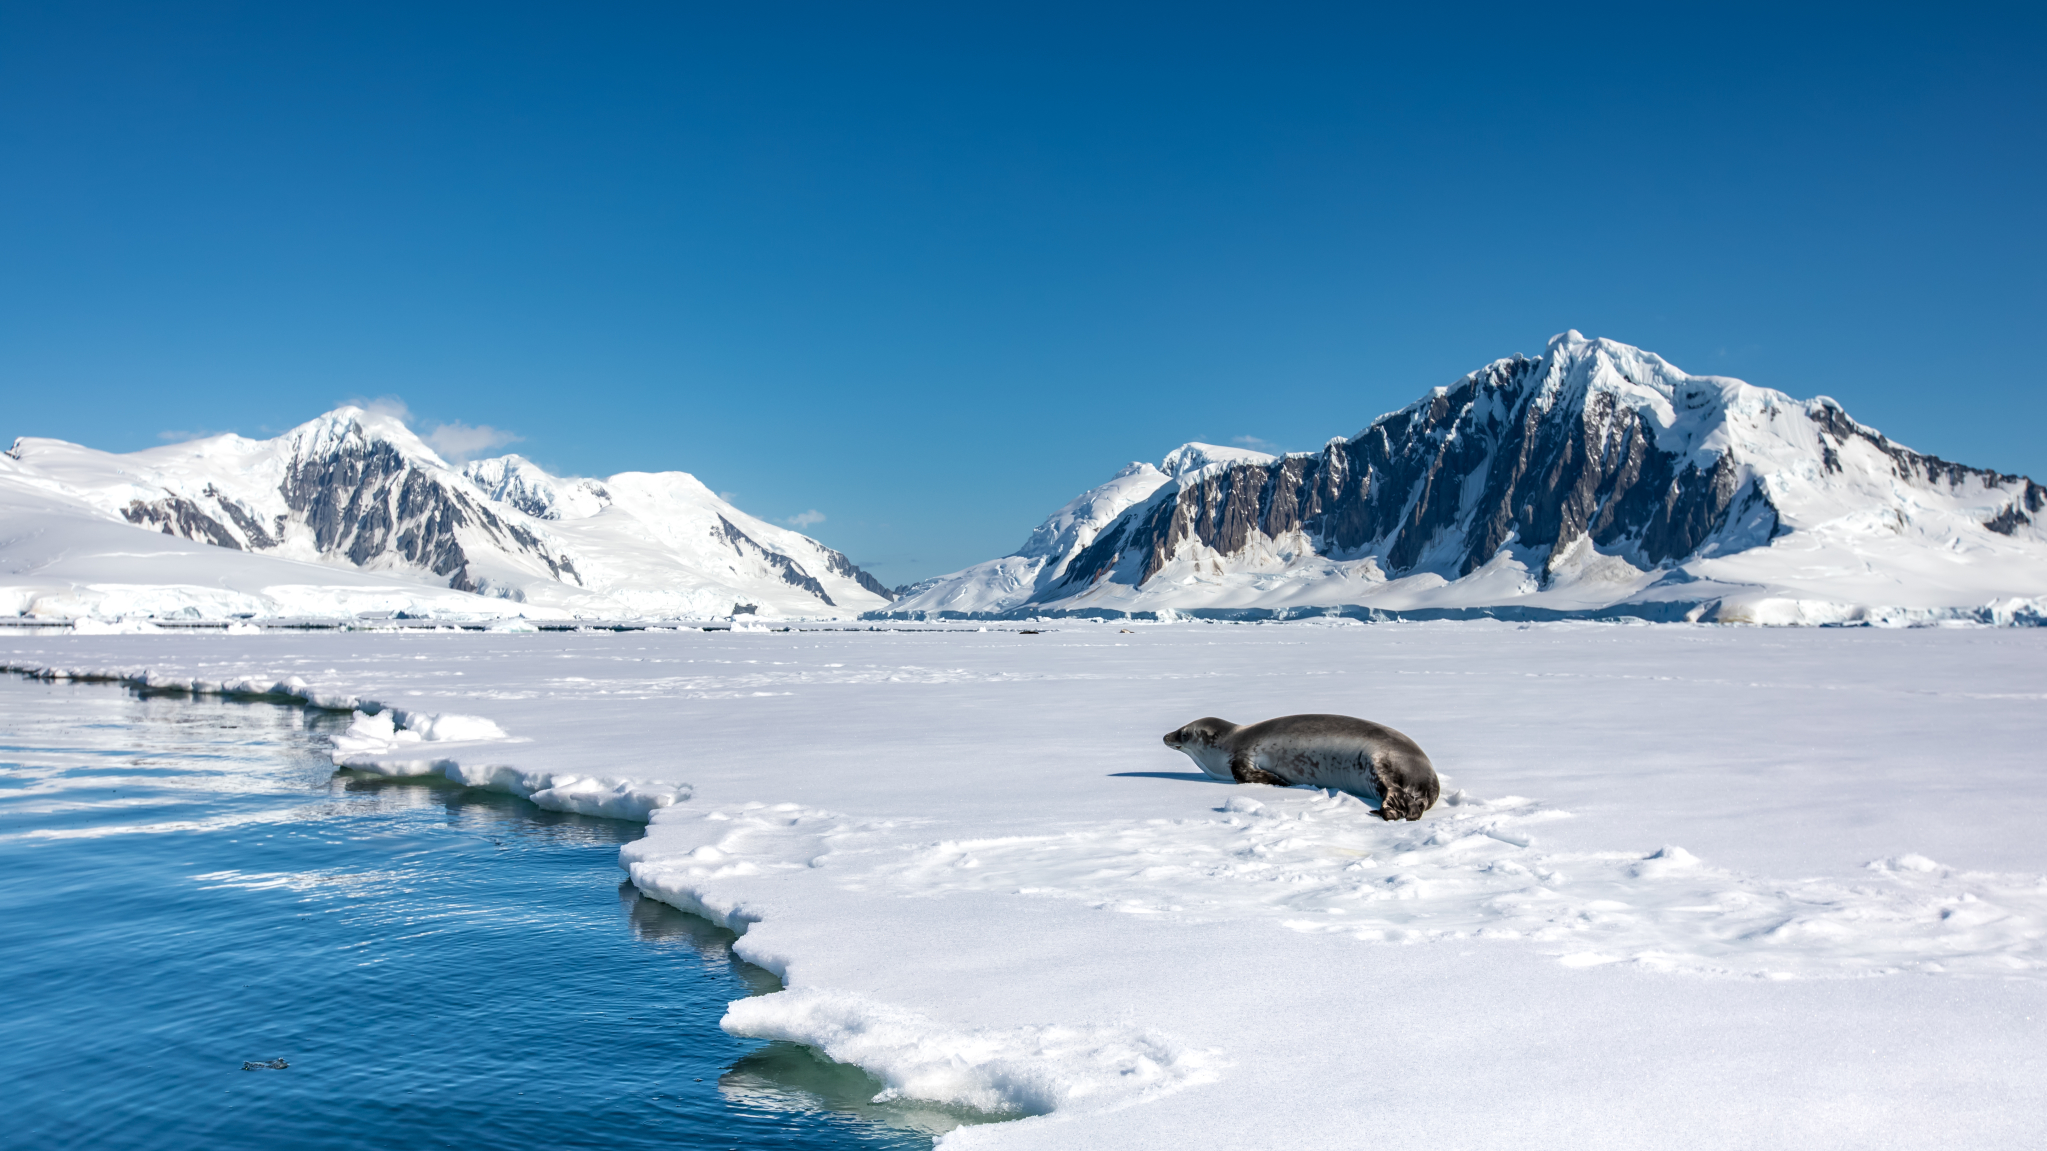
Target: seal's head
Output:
[(1199, 735), (1201, 741)]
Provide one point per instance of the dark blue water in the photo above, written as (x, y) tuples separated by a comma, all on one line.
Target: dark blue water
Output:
[(187, 885)]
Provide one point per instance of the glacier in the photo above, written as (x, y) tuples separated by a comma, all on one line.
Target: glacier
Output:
[(352, 514), (1594, 480)]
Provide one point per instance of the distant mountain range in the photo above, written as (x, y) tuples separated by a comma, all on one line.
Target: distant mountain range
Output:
[(1594, 480), (355, 494)]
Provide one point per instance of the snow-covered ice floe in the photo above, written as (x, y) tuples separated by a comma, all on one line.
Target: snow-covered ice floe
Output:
[(395, 742), (1688, 885)]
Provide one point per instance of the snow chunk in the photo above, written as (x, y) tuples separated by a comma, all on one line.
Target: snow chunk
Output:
[(1670, 860), (635, 800), (1022, 1070), (86, 625), (1917, 863)]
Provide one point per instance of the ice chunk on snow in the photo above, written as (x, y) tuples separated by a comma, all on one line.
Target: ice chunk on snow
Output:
[(1905, 863), (1668, 861)]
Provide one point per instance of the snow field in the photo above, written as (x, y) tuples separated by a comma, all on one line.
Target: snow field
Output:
[(1322, 864), (982, 876)]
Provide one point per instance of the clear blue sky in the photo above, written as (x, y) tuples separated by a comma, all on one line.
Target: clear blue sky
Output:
[(931, 270)]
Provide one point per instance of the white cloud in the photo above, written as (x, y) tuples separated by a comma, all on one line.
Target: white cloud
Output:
[(1255, 444), (456, 441), (459, 441), (805, 519), (386, 406), (184, 437)]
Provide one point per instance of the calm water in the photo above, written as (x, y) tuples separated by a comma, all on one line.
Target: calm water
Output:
[(186, 885)]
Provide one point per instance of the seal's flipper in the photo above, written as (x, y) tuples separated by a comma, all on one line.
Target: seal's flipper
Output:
[(1402, 803), (1244, 772)]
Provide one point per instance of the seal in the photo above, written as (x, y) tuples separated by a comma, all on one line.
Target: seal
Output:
[(1338, 751)]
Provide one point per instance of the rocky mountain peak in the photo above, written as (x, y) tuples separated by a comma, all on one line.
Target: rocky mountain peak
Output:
[(519, 482), (355, 486), (1593, 461), (351, 429), (1190, 458)]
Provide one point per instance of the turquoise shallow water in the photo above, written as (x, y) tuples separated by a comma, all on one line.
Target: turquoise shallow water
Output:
[(187, 885)]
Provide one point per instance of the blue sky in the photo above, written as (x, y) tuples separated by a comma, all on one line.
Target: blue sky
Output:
[(928, 271)]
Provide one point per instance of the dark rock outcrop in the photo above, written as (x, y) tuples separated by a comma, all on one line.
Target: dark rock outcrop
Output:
[(364, 500), (177, 516), (791, 572), (838, 564)]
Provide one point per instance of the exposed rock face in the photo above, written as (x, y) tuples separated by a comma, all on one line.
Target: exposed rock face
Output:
[(837, 563), (361, 499), (365, 501), (792, 572), (1449, 481), (177, 516), (518, 483), (1838, 430)]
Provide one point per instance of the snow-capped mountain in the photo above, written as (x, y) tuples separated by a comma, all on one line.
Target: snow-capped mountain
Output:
[(1595, 479), (357, 490)]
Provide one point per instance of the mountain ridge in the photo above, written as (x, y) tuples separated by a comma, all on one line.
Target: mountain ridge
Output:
[(1577, 482), (358, 489)]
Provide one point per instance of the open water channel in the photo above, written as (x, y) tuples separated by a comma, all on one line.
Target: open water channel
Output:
[(187, 886)]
